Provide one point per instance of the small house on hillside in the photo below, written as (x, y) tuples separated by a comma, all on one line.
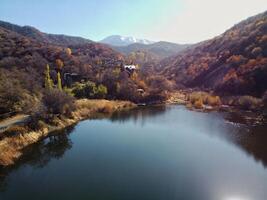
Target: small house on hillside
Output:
[(130, 68), (70, 78)]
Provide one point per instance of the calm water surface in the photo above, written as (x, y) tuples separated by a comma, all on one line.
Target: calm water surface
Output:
[(154, 153)]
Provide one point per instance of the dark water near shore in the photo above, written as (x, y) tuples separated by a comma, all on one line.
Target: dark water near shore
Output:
[(153, 153)]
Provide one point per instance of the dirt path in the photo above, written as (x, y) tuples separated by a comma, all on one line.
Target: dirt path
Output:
[(17, 119)]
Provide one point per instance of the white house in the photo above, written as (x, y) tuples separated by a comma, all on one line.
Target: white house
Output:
[(130, 67)]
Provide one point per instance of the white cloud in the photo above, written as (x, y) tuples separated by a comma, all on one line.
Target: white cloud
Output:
[(204, 19)]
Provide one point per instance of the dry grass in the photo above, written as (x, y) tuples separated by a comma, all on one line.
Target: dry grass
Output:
[(15, 130), (106, 109), (11, 147), (199, 99), (102, 105)]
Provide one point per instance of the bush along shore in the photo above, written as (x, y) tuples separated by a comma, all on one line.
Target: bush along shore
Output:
[(15, 139), (254, 110), (51, 102)]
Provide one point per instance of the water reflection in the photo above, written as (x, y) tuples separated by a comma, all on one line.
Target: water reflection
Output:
[(252, 139), (151, 152), (140, 114), (40, 154)]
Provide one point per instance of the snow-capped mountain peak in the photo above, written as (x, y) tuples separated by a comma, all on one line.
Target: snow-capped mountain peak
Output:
[(117, 40)]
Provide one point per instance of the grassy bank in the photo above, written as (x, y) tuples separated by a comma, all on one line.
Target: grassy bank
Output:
[(11, 148), (199, 100)]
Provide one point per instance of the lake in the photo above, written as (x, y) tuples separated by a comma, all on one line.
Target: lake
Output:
[(150, 153)]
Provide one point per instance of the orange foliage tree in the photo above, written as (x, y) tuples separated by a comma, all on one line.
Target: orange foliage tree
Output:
[(59, 64)]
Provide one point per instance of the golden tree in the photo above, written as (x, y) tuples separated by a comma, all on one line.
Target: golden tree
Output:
[(59, 64), (68, 51)]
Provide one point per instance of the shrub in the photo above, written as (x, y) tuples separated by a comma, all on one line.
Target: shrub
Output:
[(160, 83), (15, 130), (36, 119), (58, 102), (89, 90), (19, 91), (213, 100), (106, 109), (128, 91), (155, 97), (249, 103), (204, 98), (101, 91), (78, 90), (68, 91), (195, 96), (198, 104)]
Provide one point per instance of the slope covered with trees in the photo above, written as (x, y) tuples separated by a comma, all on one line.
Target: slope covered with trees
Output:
[(99, 69), (234, 63), (37, 35), (158, 50)]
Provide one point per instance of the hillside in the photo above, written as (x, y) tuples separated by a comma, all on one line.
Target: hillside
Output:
[(35, 34), (23, 62), (159, 49), (24, 52), (234, 63), (95, 71)]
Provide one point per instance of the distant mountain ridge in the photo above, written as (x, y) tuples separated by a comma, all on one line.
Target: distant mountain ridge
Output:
[(33, 33), (28, 48), (118, 40), (160, 49)]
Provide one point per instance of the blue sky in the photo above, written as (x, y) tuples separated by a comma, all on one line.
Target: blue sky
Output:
[(183, 21)]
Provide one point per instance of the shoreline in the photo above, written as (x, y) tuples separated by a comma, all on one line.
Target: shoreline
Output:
[(11, 148), (255, 116)]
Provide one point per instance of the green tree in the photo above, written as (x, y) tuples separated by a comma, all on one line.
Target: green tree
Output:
[(59, 83), (48, 81), (101, 91)]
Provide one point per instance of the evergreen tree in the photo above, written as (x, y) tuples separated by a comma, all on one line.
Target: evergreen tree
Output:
[(48, 81), (59, 84)]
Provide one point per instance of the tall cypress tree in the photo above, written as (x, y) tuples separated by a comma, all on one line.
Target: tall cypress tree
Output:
[(48, 81), (59, 83)]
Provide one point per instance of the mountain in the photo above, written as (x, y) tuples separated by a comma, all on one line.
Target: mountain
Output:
[(35, 34), (234, 63), (28, 48), (24, 56), (159, 49), (117, 40)]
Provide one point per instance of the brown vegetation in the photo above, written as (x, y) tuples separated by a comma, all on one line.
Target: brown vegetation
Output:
[(244, 102), (199, 99), (234, 63), (13, 131), (11, 148)]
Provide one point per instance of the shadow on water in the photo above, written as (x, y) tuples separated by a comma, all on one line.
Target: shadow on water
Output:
[(252, 139), (40, 154)]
